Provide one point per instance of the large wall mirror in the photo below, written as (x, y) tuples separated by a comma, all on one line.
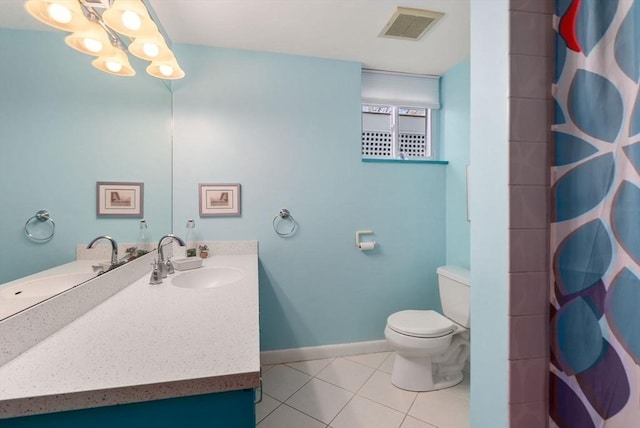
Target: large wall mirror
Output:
[(64, 125)]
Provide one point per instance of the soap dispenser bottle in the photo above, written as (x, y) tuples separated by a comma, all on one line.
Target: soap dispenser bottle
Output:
[(190, 238)]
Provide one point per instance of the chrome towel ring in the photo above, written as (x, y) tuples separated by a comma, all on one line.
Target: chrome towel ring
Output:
[(284, 215), (41, 216)]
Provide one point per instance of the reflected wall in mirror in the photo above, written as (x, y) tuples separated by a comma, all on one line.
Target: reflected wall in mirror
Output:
[(64, 125)]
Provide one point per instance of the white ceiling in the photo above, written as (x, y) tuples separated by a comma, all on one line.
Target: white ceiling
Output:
[(337, 29)]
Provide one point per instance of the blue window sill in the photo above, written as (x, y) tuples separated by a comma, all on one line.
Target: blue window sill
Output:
[(432, 162)]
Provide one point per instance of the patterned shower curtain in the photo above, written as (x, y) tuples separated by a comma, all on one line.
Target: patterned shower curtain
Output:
[(595, 229)]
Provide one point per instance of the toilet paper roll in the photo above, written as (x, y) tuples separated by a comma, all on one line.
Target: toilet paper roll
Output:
[(365, 246)]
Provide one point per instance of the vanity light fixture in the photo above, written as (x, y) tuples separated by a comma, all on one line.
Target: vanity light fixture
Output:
[(165, 69), (92, 40), (129, 17), (98, 28), (151, 48), (114, 62), (64, 15)]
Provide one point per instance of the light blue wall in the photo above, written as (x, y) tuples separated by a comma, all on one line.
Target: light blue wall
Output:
[(288, 129), (63, 126), (489, 214), (454, 137)]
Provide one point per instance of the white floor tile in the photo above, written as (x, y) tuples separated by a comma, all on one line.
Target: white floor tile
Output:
[(286, 417), (441, 409), (363, 413), (266, 406), (411, 422), (370, 360), (380, 389), (280, 382), (387, 365), (311, 367), (320, 399), (346, 374)]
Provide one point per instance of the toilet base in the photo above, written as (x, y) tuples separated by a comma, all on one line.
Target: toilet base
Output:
[(416, 374)]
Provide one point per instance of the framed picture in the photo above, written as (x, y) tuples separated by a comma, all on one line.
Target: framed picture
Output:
[(114, 199), (219, 200)]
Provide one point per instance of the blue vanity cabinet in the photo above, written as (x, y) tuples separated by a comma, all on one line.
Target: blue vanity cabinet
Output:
[(231, 409)]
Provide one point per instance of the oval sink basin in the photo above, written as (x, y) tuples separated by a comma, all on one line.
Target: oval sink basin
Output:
[(46, 286), (208, 277)]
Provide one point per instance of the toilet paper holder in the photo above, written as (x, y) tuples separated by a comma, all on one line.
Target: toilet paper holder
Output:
[(364, 245)]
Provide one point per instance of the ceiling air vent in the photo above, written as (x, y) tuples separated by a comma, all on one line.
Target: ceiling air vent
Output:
[(410, 24)]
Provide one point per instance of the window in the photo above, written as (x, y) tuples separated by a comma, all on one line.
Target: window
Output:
[(392, 132), (397, 115)]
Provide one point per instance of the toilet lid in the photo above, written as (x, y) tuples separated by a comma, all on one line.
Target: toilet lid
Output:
[(420, 323)]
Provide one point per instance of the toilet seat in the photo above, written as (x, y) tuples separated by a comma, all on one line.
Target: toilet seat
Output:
[(423, 324)]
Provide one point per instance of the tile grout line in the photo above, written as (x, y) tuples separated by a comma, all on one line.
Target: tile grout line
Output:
[(300, 411), (283, 402), (268, 414), (355, 393), (312, 377)]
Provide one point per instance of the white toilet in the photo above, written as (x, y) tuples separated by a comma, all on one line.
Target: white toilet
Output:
[(431, 349)]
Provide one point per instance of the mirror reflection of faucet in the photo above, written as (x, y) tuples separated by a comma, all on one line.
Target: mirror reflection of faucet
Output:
[(114, 249)]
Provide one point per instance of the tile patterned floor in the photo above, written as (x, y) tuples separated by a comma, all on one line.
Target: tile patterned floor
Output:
[(354, 392)]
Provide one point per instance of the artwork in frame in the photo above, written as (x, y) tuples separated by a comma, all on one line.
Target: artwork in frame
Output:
[(118, 199), (219, 199)]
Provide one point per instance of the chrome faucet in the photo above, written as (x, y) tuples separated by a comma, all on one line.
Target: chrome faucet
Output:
[(114, 248), (165, 266)]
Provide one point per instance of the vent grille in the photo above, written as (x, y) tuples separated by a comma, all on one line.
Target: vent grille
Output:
[(413, 145), (376, 144), (410, 24)]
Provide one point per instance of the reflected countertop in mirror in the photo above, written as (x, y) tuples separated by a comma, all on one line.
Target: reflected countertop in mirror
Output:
[(22, 293)]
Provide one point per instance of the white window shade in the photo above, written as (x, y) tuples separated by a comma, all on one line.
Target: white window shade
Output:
[(407, 90)]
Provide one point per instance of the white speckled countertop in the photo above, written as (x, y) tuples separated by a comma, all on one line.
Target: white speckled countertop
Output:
[(146, 342)]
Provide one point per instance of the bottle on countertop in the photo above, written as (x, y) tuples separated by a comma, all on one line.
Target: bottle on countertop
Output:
[(190, 238), (144, 238)]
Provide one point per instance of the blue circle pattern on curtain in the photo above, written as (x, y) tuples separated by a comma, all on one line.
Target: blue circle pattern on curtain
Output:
[(595, 229)]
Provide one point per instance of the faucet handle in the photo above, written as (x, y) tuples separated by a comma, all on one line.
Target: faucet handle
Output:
[(156, 278), (170, 268)]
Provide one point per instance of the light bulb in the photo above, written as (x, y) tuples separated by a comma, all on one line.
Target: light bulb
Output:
[(59, 13), (166, 70), (113, 66), (92, 45), (131, 20), (151, 49)]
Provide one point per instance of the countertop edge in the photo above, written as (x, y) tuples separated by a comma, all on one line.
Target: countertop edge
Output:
[(128, 394)]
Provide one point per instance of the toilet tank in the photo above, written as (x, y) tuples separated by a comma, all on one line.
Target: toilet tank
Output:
[(455, 293)]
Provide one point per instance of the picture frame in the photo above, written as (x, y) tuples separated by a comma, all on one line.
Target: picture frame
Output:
[(219, 199), (119, 199)]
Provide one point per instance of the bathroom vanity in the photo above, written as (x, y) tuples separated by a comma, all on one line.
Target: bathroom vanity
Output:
[(150, 355)]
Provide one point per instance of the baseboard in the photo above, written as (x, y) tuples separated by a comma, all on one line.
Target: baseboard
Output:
[(291, 355)]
